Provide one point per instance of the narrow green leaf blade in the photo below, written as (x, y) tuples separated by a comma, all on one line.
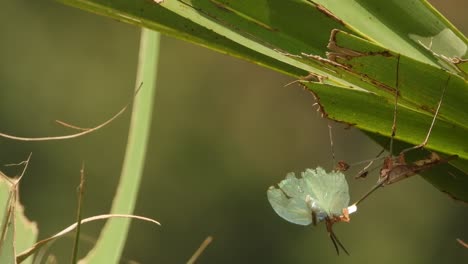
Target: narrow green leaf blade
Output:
[(110, 244), (18, 233), (7, 239)]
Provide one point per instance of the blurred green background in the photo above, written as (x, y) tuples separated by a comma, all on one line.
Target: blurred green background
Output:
[(223, 131)]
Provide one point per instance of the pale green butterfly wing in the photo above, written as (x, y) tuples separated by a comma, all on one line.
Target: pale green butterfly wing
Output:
[(327, 195), (340, 195), (329, 189), (291, 209), (293, 187)]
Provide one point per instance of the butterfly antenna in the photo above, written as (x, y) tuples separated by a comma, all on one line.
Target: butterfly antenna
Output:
[(336, 240), (330, 234)]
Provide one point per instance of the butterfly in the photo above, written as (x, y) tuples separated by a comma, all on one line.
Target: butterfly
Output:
[(314, 197)]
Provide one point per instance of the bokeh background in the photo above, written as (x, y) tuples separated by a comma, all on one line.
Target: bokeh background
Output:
[(223, 131)]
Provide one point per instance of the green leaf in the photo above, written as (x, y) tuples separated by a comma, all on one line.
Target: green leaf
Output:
[(112, 239), (400, 25), (7, 239), (292, 37), (17, 232)]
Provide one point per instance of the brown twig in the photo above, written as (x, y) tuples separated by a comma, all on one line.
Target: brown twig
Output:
[(200, 250), (71, 126), (78, 216), (84, 131), (463, 243)]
